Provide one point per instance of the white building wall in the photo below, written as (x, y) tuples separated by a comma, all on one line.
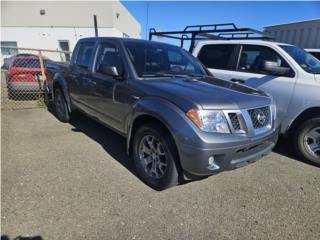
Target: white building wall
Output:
[(48, 38)]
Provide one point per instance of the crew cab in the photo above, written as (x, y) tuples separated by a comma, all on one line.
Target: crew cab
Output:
[(288, 73), (179, 121)]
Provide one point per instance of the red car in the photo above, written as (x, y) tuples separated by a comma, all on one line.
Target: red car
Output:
[(24, 75)]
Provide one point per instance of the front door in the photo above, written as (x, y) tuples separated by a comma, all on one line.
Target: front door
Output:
[(249, 71), (103, 100)]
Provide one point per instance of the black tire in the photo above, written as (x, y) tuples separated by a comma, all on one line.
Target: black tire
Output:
[(48, 101), (60, 106), (302, 140), (170, 176)]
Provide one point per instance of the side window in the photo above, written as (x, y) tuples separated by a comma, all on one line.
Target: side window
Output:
[(316, 54), (109, 55), (216, 56), (9, 51), (84, 54), (252, 58)]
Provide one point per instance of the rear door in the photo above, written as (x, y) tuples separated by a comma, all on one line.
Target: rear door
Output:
[(80, 85), (219, 59), (249, 72)]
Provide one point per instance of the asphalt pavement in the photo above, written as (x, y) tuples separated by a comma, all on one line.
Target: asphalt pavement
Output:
[(74, 181)]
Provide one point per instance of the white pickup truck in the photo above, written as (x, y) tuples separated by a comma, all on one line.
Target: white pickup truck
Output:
[(288, 73)]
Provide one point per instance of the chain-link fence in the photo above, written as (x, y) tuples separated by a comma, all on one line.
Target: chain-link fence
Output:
[(24, 74)]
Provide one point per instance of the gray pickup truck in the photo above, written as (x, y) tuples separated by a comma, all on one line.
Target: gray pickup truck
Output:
[(180, 123)]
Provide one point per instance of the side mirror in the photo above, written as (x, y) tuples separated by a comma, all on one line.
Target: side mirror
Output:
[(111, 70), (273, 68)]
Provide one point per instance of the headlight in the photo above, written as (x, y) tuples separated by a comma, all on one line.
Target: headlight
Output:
[(209, 120)]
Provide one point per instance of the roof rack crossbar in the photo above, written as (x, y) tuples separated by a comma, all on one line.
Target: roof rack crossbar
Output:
[(225, 31), (215, 26)]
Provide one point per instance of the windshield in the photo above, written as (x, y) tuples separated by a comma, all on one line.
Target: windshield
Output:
[(161, 60), (308, 62)]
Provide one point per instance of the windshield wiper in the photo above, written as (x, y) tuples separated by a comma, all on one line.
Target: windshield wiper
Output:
[(170, 74), (157, 75), (189, 74)]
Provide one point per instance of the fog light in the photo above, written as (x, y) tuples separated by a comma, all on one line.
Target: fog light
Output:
[(212, 164), (211, 160)]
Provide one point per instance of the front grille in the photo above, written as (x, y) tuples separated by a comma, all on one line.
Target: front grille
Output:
[(260, 117), (234, 121)]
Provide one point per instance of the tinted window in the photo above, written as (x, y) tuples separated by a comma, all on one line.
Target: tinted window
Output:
[(108, 55), (151, 59), (84, 54), (252, 58), (315, 54), (216, 56), (27, 63)]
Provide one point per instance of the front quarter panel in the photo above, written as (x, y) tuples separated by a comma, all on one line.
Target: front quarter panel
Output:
[(306, 95), (166, 112)]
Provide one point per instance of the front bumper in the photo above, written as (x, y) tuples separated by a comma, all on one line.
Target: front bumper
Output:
[(194, 160)]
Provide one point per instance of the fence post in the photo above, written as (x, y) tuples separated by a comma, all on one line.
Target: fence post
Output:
[(42, 66)]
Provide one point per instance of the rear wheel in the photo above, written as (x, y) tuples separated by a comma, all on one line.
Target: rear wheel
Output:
[(307, 140), (60, 106), (154, 156)]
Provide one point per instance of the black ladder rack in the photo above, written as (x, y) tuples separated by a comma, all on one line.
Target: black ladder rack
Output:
[(224, 31)]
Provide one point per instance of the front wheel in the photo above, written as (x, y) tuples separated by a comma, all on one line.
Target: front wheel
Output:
[(307, 140), (154, 156)]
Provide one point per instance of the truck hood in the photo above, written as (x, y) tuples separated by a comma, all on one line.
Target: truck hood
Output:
[(208, 93)]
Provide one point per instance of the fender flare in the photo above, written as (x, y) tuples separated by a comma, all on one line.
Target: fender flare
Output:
[(170, 115), (59, 80)]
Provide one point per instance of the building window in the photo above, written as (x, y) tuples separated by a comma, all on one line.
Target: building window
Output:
[(9, 51), (64, 46)]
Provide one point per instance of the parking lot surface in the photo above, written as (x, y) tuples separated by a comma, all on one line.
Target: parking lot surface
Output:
[(74, 181)]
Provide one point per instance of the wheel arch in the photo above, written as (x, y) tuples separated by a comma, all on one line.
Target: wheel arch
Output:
[(303, 116), (146, 118), (60, 82), (142, 119)]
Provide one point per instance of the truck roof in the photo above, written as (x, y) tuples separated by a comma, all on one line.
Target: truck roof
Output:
[(123, 40)]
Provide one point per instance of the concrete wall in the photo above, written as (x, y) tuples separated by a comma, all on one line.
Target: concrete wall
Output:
[(110, 14), (22, 22), (304, 34), (41, 37)]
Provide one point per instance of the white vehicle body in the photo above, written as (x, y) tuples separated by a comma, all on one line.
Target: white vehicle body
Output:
[(293, 95)]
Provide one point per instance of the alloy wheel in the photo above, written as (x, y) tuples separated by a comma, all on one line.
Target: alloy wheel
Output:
[(152, 156)]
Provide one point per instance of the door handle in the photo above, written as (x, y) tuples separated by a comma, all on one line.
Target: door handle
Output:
[(92, 82), (89, 80), (235, 80)]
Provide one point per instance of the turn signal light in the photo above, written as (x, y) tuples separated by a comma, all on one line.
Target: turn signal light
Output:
[(194, 116)]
